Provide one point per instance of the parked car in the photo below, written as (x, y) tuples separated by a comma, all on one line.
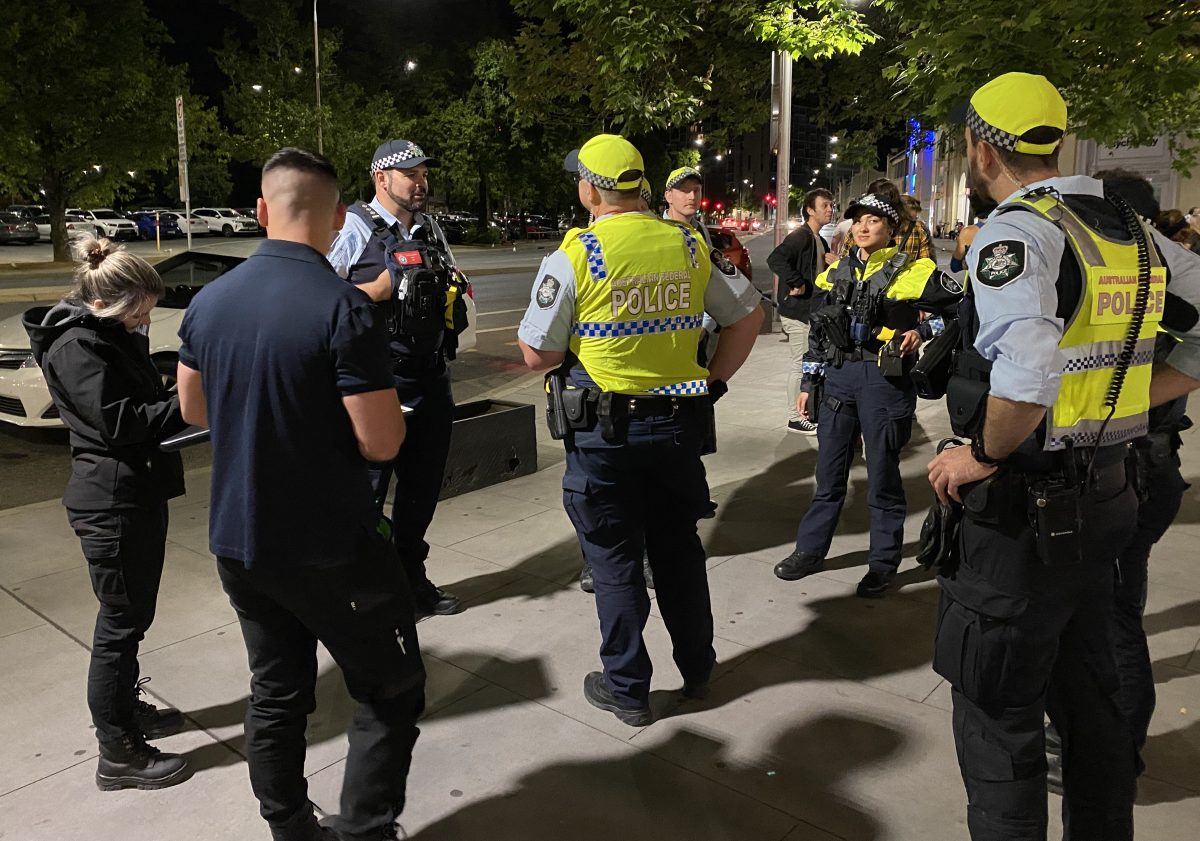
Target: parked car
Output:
[(76, 226), (167, 225), (24, 397), (227, 221), (107, 222), (199, 226), (17, 229), (27, 211), (729, 244)]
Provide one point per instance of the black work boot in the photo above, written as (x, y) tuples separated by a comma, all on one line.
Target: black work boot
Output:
[(433, 600), (595, 689), (131, 763), (153, 722), (874, 584), (799, 565), (585, 579)]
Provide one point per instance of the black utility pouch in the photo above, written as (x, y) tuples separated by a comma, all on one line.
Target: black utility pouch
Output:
[(835, 321), (575, 403), (1055, 515), (967, 401)]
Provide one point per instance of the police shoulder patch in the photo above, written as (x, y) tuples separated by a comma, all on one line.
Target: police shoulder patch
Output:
[(723, 263), (951, 284), (547, 291), (1000, 263)]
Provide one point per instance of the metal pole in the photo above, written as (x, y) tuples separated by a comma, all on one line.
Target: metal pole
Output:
[(317, 69), (783, 161)]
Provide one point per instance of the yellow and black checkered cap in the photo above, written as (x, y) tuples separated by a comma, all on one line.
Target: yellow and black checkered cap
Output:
[(647, 196), (678, 176), (607, 161), (1008, 107)]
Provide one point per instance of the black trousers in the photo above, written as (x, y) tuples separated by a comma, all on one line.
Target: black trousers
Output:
[(124, 550), (881, 410), (642, 498), (1159, 474), (363, 614), (419, 466), (1019, 638)]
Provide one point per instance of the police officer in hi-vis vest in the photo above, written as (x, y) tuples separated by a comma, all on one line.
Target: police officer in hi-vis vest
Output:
[(617, 310), (1054, 379)]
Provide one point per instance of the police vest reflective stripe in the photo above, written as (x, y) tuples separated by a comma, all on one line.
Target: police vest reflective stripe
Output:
[(639, 304), (1096, 332)]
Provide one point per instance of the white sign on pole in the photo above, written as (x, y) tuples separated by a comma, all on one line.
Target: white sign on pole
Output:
[(185, 194)]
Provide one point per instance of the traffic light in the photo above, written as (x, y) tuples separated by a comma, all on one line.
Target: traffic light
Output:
[(704, 204), (720, 206)]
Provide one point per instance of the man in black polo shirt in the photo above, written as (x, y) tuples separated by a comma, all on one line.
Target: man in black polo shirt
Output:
[(283, 362)]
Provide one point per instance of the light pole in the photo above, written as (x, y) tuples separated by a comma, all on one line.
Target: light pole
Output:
[(317, 70)]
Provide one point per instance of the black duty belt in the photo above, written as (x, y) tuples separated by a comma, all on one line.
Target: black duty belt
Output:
[(417, 363), (1107, 465), (861, 353), (654, 405)]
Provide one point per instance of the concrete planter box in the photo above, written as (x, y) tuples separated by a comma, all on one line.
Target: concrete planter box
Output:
[(493, 441)]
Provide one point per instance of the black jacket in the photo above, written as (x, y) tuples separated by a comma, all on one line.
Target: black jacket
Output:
[(797, 261), (115, 405)]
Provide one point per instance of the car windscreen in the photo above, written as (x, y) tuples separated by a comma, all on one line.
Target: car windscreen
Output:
[(105, 214), (10, 218), (228, 214), (184, 279)]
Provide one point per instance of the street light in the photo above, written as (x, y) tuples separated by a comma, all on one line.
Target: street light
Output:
[(410, 65), (828, 166), (256, 88), (833, 157), (296, 70), (720, 158), (833, 139), (816, 172)]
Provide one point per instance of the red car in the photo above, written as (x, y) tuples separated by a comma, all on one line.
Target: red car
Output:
[(726, 240)]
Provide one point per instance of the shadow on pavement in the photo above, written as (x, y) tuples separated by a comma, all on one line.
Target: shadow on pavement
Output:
[(593, 801)]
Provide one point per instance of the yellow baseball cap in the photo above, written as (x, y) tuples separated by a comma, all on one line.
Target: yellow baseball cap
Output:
[(678, 176), (1008, 107), (607, 161)]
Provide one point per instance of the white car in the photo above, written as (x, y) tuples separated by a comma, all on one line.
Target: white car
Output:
[(226, 221), (24, 396), (76, 225), (199, 226), (107, 222)]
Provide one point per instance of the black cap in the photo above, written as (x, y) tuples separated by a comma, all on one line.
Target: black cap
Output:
[(873, 204), (400, 154)]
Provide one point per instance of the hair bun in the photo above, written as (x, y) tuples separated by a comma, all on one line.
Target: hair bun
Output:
[(96, 255)]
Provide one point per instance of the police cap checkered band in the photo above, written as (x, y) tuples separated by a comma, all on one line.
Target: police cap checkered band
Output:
[(680, 175), (609, 162), (399, 154), (871, 203), (647, 196), (1020, 112)]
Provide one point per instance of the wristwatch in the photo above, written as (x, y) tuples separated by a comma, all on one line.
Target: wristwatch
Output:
[(980, 454)]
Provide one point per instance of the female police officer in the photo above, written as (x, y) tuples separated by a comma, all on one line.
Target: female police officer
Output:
[(865, 333), (96, 360)]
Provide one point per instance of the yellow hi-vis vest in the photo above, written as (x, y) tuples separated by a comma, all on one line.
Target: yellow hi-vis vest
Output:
[(639, 304), (1095, 333)]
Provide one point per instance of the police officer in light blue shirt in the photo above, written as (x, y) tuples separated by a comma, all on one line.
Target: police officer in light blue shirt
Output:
[(400, 170)]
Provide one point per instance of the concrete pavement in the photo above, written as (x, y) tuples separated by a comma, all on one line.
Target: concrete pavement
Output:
[(825, 720)]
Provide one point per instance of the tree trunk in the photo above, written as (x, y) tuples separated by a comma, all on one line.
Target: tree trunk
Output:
[(56, 198)]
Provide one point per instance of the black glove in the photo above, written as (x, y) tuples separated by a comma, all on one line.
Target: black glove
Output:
[(717, 389)]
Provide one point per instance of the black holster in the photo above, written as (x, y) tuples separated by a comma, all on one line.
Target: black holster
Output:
[(967, 391)]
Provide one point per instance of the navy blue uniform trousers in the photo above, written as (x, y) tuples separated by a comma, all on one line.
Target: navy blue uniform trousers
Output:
[(1019, 638), (420, 465), (882, 410), (643, 498)]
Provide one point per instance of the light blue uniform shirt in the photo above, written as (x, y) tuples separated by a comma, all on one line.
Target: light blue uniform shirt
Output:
[(550, 327), (352, 238), (1018, 329)]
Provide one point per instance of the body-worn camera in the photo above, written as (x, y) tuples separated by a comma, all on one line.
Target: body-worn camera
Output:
[(420, 282)]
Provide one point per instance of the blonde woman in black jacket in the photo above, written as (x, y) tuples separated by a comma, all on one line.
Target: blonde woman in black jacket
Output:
[(93, 350)]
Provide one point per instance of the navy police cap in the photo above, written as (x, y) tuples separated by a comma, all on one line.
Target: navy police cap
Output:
[(400, 154)]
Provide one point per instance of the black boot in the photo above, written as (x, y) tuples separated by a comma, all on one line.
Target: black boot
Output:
[(433, 600), (799, 565), (153, 722), (131, 763), (585, 579)]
